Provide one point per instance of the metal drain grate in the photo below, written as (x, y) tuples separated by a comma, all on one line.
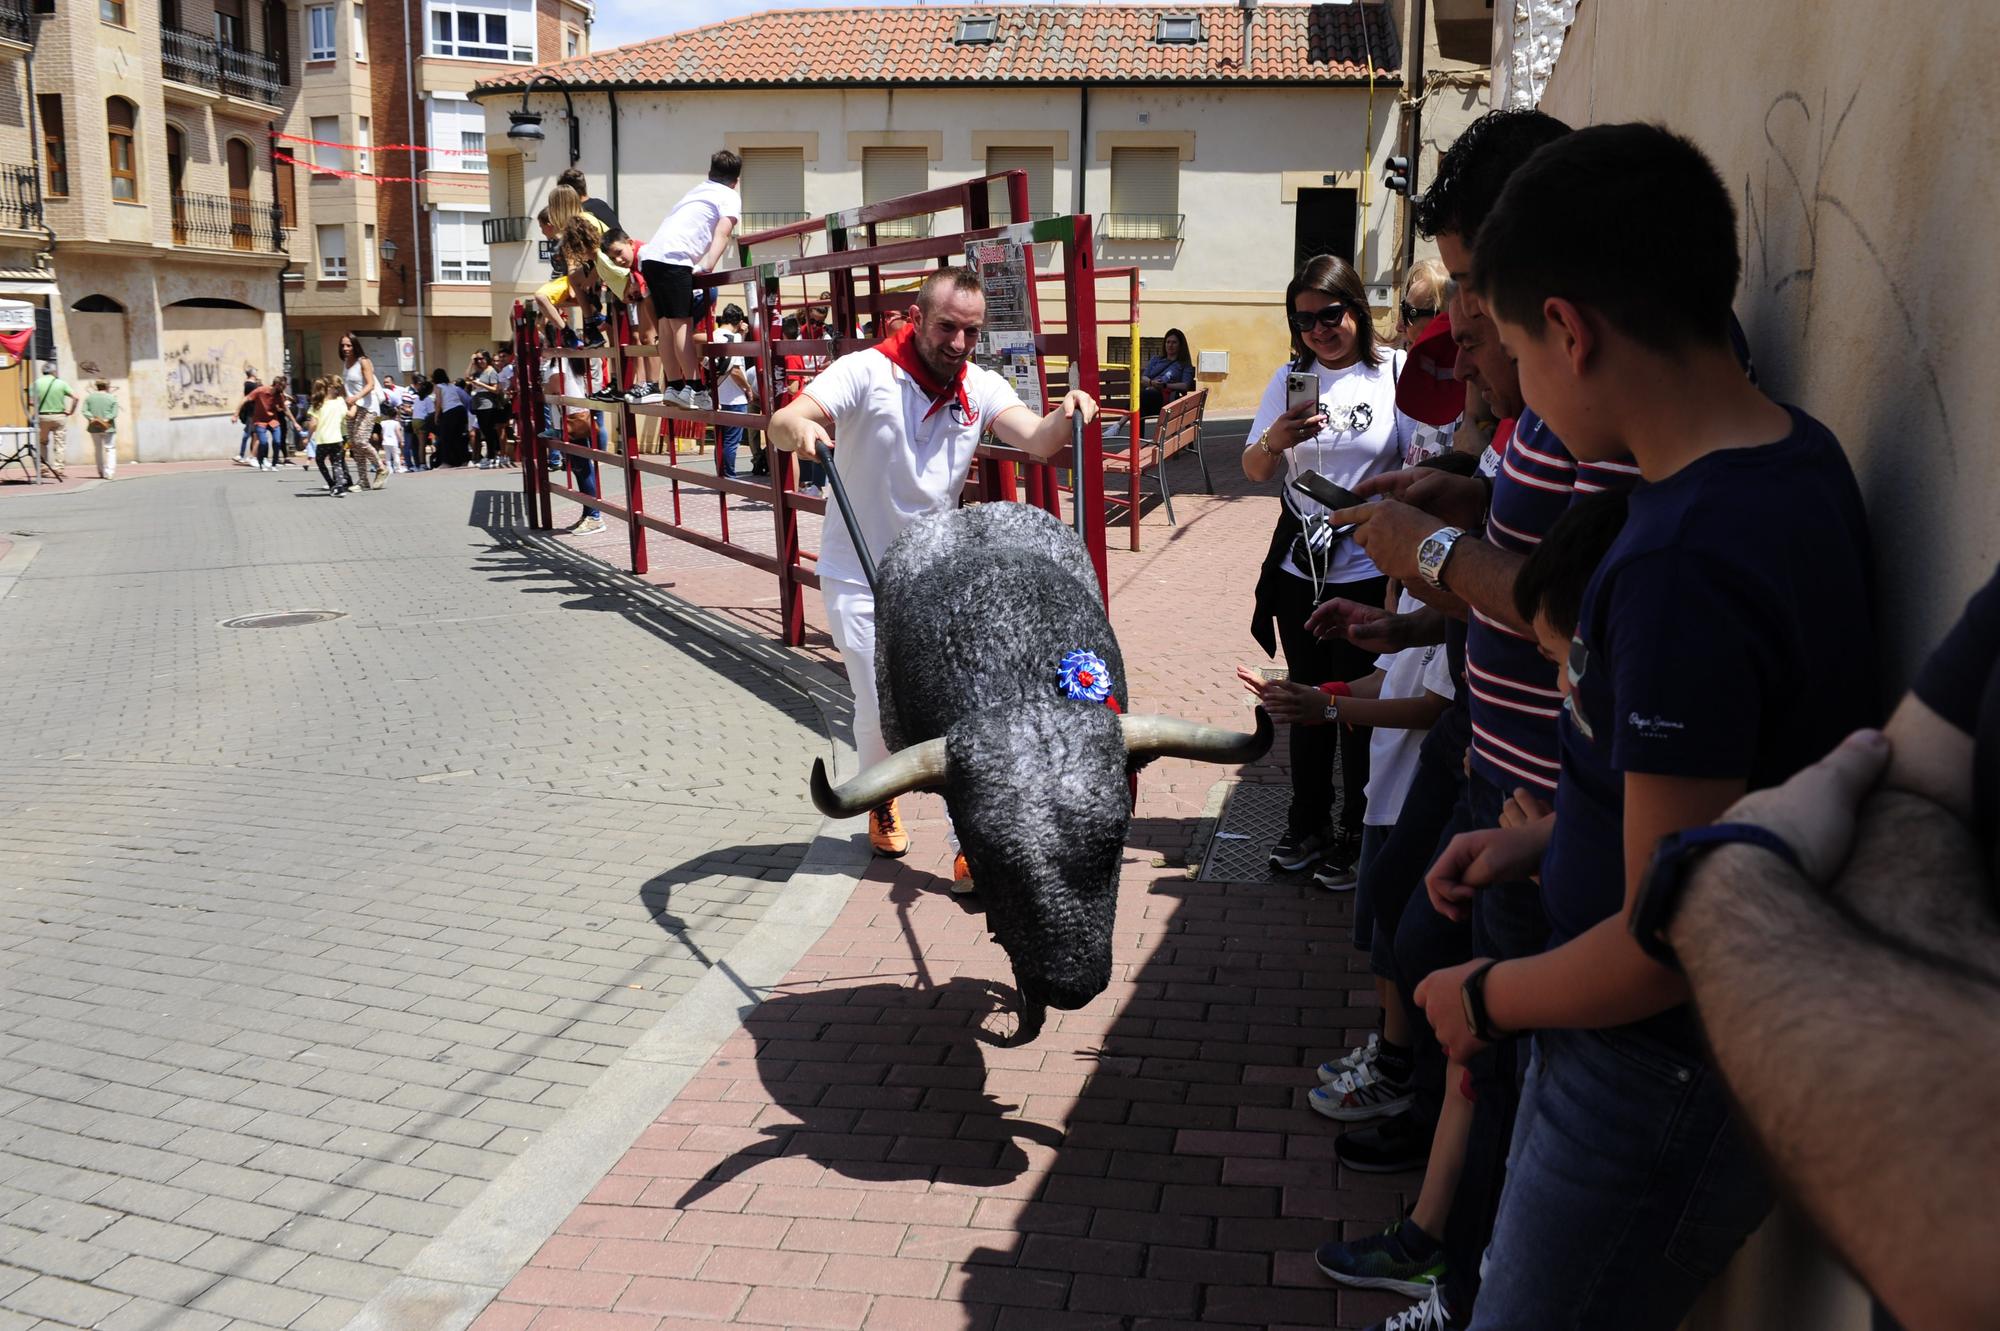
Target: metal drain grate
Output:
[(1253, 818), (283, 619)]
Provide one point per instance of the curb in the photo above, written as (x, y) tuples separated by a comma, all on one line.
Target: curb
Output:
[(14, 563), (453, 1277)]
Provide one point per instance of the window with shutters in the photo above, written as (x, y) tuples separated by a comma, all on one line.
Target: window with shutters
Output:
[(369, 272), (326, 131), (332, 252), (122, 121), (361, 33), (55, 145), (774, 187), (285, 181), (461, 127), (889, 173), (229, 29), (319, 32), (278, 39), (362, 143), (1040, 164), (458, 245), (1145, 194), (514, 186)]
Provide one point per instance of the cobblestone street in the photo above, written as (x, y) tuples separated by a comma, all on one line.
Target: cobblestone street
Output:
[(313, 931)]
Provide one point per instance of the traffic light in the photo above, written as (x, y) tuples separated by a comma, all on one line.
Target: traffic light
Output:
[(1396, 175)]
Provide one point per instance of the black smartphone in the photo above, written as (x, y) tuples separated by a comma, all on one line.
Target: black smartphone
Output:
[(1317, 487)]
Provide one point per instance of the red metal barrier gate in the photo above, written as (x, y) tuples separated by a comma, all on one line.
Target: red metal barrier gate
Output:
[(857, 253)]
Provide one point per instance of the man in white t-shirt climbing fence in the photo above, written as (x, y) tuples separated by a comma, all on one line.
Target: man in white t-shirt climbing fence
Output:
[(691, 240), (909, 413)]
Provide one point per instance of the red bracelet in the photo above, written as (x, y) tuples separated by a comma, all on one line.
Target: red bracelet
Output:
[(1337, 688)]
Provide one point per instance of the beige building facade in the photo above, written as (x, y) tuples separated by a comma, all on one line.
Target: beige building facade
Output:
[(1214, 193)]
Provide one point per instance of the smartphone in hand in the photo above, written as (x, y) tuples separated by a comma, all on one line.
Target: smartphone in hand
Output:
[(1301, 389), (1317, 487)]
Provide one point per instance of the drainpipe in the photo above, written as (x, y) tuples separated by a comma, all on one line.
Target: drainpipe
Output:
[(1416, 85), (611, 100), (416, 214), (34, 142)]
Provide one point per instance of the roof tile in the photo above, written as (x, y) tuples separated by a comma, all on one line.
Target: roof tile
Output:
[(1037, 44)]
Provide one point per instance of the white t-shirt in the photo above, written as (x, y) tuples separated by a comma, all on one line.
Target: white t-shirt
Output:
[(1363, 437), (727, 393), (352, 378), (690, 228), (1392, 754), (896, 465)]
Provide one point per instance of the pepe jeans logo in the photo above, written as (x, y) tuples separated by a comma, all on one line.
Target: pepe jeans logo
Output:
[(1653, 727)]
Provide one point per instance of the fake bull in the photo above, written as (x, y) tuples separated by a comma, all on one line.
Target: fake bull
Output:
[(997, 670)]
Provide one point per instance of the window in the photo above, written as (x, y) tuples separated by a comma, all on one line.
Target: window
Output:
[(55, 145), (1145, 194), (122, 122), (285, 181), (278, 39), (332, 252), (888, 173), (502, 30), (361, 33), (1177, 28), (319, 32), (572, 43), (229, 25), (459, 243), (458, 125), (1040, 164), (774, 187), (361, 143), (326, 129), (978, 30), (368, 269), (112, 11)]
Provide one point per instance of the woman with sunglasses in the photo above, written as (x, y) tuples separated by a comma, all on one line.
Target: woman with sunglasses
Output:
[(1349, 431)]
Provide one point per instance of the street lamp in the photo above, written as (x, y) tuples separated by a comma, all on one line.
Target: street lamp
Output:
[(388, 251), (525, 126)]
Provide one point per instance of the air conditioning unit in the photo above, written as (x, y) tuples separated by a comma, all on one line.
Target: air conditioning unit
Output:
[(1464, 30)]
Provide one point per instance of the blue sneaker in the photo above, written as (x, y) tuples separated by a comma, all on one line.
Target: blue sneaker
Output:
[(1402, 1258)]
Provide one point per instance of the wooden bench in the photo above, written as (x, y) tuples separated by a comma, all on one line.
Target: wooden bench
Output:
[(1178, 428)]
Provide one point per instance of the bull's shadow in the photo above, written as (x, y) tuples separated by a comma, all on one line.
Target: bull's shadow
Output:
[(885, 1082)]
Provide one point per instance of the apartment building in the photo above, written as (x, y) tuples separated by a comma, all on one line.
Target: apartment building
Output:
[(164, 221), (403, 261)]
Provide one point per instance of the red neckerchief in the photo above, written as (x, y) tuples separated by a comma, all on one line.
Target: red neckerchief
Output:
[(900, 348)]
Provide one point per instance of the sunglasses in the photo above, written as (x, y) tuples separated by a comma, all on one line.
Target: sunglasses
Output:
[(1329, 319), (1411, 313)]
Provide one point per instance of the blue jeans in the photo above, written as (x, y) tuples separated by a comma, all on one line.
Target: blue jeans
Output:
[(1630, 1184), (269, 438), (728, 439)]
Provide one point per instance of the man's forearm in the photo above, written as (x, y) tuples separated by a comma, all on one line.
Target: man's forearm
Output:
[(1482, 575), (1599, 978), (1863, 1065)]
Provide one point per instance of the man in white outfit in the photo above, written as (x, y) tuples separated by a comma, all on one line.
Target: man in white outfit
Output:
[(908, 414)]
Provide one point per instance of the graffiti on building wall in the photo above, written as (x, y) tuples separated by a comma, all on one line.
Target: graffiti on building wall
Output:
[(205, 372)]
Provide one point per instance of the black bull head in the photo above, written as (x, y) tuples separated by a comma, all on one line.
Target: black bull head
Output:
[(1038, 793)]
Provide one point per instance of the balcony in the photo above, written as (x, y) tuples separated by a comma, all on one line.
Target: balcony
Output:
[(504, 230), (223, 222), (203, 62), (20, 207), (15, 23), (755, 222), (1142, 226)]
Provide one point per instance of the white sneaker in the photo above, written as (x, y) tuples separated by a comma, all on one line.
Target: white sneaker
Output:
[(680, 397), (1361, 1094), (698, 400), (1354, 1059), (589, 526), (1430, 1315)]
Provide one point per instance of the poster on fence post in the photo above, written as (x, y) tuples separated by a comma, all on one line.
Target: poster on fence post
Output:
[(1007, 343)]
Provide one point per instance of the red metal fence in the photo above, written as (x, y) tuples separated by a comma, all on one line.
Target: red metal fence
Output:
[(859, 270)]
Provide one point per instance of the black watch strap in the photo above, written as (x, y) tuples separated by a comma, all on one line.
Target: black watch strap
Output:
[(1674, 861), (1475, 1005)]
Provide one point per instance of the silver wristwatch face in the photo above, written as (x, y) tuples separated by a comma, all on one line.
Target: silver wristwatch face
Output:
[(1434, 551)]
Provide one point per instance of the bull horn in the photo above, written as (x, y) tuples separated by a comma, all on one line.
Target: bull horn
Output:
[(1170, 737), (920, 767)]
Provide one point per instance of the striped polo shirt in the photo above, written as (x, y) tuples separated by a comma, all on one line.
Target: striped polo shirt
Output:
[(1512, 690)]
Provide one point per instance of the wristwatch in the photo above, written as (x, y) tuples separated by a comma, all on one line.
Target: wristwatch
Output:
[(1433, 554), (1332, 712), (1674, 861), (1473, 994)]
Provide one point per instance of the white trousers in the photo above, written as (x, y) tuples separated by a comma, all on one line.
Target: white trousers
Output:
[(850, 617)]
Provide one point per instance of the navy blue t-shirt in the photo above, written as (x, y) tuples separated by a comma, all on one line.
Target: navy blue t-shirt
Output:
[(1729, 632), (1961, 683)]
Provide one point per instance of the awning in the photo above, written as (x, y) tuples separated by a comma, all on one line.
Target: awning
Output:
[(28, 282)]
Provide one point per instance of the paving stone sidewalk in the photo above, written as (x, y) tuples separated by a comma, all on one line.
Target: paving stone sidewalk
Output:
[(862, 1153), (312, 932)]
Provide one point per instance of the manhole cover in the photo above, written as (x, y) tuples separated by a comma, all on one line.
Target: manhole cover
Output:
[(283, 619), (1252, 822)]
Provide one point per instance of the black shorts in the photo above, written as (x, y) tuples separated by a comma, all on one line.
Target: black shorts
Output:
[(671, 285)]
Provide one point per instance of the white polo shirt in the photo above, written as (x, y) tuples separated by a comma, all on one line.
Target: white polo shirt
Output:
[(896, 465)]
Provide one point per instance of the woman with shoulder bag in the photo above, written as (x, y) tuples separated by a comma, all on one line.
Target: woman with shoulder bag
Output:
[(100, 417), (1349, 430)]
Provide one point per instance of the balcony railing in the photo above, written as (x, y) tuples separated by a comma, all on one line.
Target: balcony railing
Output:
[(903, 228), (14, 22), (504, 230), (1142, 226), (20, 208), (203, 62), (754, 222), (222, 222)]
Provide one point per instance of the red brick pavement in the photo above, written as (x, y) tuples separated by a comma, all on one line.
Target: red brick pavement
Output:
[(863, 1154)]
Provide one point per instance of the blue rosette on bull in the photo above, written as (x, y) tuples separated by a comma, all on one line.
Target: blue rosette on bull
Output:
[(1003, 689)]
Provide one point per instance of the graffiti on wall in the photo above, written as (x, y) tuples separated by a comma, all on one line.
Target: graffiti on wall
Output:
[(205, 372)]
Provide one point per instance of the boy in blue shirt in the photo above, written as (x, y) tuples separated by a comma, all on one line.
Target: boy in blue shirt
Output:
[(1726, 641)]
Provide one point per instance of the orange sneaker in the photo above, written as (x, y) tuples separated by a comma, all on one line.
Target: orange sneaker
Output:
[(885, 831), (961, 876)]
